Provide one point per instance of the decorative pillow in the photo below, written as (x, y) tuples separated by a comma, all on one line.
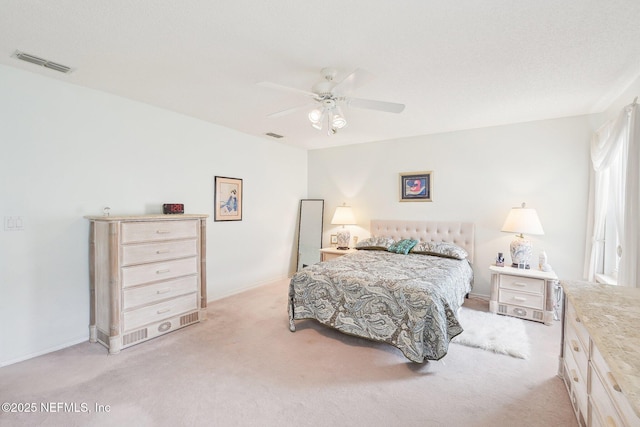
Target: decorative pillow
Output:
[(375, 243), (443, 249), (403, 246)]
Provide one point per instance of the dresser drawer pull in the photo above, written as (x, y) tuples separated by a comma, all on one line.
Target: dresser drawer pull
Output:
[(163, 231), (575, 376), (611, 422), (522, 285), (166, 270), (519, 299), (575, 346), (163, 251), (164, 310), (614, 383), (164, 291)]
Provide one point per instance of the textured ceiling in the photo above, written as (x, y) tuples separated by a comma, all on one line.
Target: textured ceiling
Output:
[(455, 65)]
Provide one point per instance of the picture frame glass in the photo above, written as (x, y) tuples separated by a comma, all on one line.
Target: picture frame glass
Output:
[(228, 199), (416, 186)]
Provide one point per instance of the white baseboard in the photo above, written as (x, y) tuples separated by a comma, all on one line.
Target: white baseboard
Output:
[(43, 352), (246, 288)]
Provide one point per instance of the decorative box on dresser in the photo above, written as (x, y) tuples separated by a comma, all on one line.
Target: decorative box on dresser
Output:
[(524, 293), (147, 276), (600, 353)]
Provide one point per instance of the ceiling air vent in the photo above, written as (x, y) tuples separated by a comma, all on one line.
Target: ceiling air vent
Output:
[(274, 135), (42, 62)]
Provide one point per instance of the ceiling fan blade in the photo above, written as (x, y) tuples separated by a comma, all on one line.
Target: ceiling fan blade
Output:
[(388, 107), (356, 79), (291, 110), (286, 88)]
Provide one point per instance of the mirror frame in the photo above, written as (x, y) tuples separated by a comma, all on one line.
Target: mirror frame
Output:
[(300, 221)]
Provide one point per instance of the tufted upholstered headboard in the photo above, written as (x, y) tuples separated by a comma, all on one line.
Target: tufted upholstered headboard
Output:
[(460, 233)]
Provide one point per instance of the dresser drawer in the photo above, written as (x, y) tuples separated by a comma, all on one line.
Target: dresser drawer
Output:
[(156, 312), (574, 346), (147, 294), (577, 385), (158, 230), (518, 283), (611, 388), (580, 330), (600, 400), (507, 296), (161, 251), (147, 273)]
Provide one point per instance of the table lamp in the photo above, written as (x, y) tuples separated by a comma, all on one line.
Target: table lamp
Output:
[(343, 216), (522, 220)]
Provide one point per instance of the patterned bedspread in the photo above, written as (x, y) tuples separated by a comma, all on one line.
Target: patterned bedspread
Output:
[(409, 301)]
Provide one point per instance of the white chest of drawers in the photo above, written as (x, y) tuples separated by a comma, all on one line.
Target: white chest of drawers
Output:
[(599, 360), (147, 276), (528, 294)]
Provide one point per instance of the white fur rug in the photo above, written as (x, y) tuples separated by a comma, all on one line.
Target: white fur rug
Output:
[(493, 332)]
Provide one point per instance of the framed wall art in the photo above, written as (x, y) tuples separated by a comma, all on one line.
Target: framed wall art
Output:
[(227, 199), (416, 186)]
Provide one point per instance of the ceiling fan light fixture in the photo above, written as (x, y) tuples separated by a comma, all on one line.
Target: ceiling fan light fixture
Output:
[(315, 116), (338, 121)]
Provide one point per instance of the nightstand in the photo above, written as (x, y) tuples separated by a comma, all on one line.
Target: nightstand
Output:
[(528, 294), (330, 253)]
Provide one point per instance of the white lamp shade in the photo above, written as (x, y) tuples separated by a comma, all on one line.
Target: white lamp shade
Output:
[(343, 216), (523, 221)]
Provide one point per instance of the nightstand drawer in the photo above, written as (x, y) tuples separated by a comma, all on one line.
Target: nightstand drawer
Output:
[(518, 298), (519, 283)]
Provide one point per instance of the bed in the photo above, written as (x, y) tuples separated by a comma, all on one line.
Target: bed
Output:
[(409, 301)]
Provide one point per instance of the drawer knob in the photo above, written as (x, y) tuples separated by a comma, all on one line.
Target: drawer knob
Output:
[(162, 251), (521, 299), (166, 270), (575, 346), (163, 231), (575, 376), (164, 310), (520, 284), (613, 382), (164, 291)]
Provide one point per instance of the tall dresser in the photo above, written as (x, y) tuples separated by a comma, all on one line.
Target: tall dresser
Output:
[(147, 276)]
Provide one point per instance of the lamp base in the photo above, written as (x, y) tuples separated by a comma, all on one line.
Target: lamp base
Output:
[(525, 266), (520, 252), (343, 238)]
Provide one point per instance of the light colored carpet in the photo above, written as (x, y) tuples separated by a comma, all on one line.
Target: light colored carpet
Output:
[(493, 332), (243, 367)]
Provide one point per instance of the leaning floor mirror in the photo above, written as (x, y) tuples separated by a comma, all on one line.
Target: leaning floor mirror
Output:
[(310, 231)]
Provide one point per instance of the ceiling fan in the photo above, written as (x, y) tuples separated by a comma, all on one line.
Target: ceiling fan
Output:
[(328, 96)]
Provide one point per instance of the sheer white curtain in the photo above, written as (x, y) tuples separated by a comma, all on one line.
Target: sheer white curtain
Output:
[(615, 157)]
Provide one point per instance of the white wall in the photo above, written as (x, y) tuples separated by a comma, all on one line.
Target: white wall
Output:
[(478, 175), (67, 152)]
